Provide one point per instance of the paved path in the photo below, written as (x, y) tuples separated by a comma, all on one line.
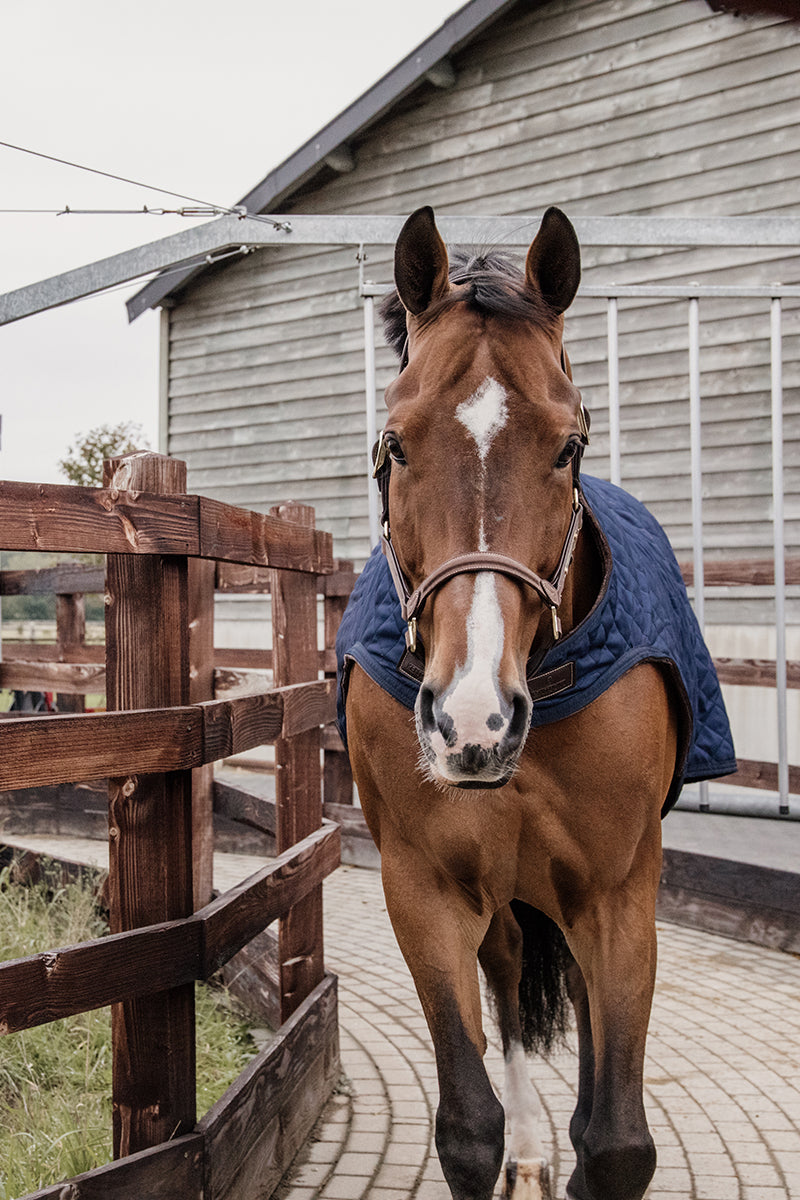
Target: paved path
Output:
[(722, 1075)]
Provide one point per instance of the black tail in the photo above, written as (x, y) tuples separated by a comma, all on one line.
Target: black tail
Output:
[(543, 1002)]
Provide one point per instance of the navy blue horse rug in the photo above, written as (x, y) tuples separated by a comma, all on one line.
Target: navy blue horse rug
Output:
[(642, 614)]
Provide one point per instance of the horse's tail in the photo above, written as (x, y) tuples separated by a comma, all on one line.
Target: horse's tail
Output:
[(543, 1001)]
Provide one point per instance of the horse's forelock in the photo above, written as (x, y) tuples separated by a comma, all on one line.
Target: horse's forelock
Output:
[(493, 284)]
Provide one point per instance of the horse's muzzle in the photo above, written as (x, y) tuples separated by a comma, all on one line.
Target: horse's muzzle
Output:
[(472, 749)]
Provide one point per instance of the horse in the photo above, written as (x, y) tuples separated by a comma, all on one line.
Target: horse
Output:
[(532, 852)]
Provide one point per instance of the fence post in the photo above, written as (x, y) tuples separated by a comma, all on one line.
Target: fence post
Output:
[(202, 575), (70, 632), (337, 775), (150, 823), (297, 768)]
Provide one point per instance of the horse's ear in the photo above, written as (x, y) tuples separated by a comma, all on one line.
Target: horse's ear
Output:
[(553, 265), (420, 262)]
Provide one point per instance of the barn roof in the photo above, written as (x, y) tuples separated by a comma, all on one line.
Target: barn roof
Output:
[(331, 144)]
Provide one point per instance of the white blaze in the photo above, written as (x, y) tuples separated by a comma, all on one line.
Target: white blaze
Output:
[(484, 414), (476, 692), (474, 696)]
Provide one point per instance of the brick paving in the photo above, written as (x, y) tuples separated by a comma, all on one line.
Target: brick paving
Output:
[(722, 1074)]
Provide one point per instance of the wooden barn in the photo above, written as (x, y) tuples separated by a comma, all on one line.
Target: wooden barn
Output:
[(663, 109), (615, 107)]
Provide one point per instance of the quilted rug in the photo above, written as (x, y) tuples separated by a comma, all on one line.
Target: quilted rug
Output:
[(641, 614)]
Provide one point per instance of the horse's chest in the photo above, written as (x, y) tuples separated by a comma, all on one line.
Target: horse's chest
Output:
[(474, 855)]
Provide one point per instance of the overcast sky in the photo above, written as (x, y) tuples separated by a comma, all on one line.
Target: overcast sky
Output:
[(201, 98)]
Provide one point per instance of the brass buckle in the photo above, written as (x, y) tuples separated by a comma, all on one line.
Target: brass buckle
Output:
[(411, 636), (556, 624)]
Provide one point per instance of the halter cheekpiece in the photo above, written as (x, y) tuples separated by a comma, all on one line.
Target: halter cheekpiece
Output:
[(549, 590)]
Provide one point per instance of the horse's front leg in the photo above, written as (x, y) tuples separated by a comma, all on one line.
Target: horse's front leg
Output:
[(576, 986), (439, 929), (615, 946), (527, 1172)]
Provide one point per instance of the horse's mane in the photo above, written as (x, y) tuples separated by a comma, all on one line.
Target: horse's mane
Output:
[(492, 284)]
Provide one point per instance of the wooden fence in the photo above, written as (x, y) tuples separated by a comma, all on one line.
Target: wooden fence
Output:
[(69, 666), (155, 746), (172, 714)]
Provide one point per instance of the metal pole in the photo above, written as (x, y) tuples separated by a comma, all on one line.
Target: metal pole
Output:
[(1, 561), (614, 451), (372, 422), (779, 550), (696, 442), (163, 381)]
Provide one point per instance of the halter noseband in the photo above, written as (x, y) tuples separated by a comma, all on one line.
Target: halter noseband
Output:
[(412, 602)]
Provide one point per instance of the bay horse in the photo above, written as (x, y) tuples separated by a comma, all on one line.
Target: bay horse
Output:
[(534, 852)]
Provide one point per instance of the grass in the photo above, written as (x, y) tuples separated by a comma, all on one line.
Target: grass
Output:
[(55, 1081)]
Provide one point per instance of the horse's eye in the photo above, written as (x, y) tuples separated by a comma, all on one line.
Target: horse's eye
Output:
[(567, 454), (395, 449)]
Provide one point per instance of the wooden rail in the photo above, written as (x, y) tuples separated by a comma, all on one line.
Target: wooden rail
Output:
[(123, 520), (59, 749), (74, 979), (737, 572), (154, 746)]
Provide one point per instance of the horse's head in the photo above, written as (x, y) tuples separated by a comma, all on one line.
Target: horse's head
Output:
[(477, 460)]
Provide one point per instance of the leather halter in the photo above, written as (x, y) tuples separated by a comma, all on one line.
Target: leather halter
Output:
[(549, 590)]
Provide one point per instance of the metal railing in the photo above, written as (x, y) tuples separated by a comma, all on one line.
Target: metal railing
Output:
[(693, 294)]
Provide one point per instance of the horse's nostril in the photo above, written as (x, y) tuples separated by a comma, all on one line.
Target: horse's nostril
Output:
[(426, 708), (433, 717), (520, 720)]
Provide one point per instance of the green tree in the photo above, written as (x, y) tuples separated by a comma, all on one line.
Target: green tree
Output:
[(83, 463)]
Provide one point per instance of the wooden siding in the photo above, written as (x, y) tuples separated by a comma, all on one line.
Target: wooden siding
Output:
[(603, 107)]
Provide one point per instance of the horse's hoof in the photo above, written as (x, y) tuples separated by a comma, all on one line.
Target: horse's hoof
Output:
[(528, 1179)]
